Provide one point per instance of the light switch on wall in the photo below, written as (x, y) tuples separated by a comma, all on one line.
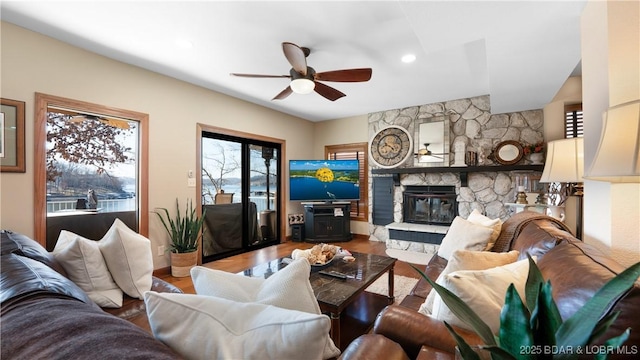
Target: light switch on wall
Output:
[(191, 182)]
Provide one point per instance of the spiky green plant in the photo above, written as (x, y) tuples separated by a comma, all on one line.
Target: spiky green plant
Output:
[(536, 325), (184, 232)]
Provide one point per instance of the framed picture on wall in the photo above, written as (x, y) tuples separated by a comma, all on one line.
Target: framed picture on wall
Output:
[(12, 136)]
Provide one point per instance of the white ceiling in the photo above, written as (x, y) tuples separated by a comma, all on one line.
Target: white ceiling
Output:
[(519, 52)]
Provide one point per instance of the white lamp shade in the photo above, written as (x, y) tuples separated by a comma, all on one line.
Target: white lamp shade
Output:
[(302, 86), (565, 161), (618, 156)]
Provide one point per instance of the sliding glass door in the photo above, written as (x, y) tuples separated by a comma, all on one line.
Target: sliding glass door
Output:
[(240, 182)]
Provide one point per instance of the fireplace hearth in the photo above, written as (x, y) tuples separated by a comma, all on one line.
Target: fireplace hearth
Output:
[(430, 204)]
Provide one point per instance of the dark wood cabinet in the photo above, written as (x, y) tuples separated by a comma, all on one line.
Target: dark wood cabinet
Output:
[(327, 222)]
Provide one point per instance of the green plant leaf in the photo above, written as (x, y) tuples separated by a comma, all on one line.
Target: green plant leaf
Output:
[(184, 231), (534, 282), (462, 310), (514, 330), (465, 350), (545, 319), (498, 353), (614, 342), (603, 325), (576, 330)]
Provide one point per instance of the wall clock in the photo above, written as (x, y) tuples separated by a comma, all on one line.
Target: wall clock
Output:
[(390, 146)]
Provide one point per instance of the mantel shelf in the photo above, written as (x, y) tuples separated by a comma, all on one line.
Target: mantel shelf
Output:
[(462, 170)]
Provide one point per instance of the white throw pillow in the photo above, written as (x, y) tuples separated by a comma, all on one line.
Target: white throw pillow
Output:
[(484, 291), (82, 260), (468, 260), (128, 257), (464, 235), (496, 224), (207, 327), (288, 288)]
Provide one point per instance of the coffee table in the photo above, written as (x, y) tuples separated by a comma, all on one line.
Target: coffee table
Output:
[(351, 309)]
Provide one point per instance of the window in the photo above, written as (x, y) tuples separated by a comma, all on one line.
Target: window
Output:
[(359, 209), (239, 191), (91, 167), (573, 121)]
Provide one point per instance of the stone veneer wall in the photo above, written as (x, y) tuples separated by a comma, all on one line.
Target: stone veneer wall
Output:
[(471, 121)]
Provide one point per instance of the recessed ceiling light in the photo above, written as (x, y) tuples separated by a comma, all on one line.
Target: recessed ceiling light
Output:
[(184, 43), (409, 58)]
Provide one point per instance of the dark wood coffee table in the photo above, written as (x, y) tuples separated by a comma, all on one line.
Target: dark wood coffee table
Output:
[(351, 309)]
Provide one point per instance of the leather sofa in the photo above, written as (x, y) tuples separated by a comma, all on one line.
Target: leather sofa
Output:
[(576, 271), (46, 316)]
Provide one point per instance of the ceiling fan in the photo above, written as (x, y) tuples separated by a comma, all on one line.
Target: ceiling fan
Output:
[(427, 152), (304, 79)]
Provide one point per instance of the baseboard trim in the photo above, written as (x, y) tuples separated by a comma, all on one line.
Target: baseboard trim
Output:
[(360, 236), (165, 271)]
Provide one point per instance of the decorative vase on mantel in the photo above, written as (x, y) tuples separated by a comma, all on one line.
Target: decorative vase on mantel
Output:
[(536, 158)]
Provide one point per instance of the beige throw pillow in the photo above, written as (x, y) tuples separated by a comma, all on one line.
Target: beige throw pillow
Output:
[(484, 291), (288, 288), (82, 260), (464, 235), (128, 257), (496, 224), (468, 260), (207, 327)]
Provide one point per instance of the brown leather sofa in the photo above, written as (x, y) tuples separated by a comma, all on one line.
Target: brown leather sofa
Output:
[(576, 271), (46, 316)]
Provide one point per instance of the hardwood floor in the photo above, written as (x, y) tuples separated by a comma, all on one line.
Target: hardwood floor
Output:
[(244, 261)]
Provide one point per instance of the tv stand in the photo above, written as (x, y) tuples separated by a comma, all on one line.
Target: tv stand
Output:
[(327, 222)]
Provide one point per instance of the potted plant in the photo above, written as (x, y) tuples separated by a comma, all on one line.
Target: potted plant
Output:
[(535, 152), (184, 232), (536, 324)]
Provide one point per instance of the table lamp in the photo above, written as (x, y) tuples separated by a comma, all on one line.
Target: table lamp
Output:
[(565, 164), (617, 159)]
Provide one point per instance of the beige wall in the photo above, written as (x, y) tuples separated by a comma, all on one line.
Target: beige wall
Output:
[(342, 131), (569, 93), (611, 76), (35, 63)]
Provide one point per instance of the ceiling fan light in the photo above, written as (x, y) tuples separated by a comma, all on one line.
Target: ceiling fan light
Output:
[(408, 58), (302, 86)]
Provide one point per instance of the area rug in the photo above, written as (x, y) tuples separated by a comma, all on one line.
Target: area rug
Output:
[(402, 285), (412, 257)]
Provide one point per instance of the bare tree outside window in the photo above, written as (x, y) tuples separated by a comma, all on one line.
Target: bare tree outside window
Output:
[(221, 165), (89, 158)]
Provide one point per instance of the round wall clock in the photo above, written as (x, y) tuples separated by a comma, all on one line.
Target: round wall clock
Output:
[(390, 146)]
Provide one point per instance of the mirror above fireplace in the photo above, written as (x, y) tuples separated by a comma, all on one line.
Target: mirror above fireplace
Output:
[(431, 141)]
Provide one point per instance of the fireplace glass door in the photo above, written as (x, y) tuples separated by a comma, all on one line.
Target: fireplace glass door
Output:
[(429, 205)]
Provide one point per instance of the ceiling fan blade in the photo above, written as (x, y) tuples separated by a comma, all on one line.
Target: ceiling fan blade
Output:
[(295, 56), (328, 92), (283, 94), (260, 76), (347, 75)]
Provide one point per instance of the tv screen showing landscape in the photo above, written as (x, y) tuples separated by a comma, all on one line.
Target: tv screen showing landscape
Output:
[(324, 180)]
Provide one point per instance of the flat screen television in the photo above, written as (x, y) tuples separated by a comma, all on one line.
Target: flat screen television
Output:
[(324, 180)]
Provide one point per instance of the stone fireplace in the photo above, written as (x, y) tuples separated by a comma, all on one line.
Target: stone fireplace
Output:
[(435, 205), (487, 188)]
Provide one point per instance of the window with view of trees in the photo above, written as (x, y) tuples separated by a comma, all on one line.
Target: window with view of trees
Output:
[(90, 168), (90, 162), (359, 209), (240, 190)]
